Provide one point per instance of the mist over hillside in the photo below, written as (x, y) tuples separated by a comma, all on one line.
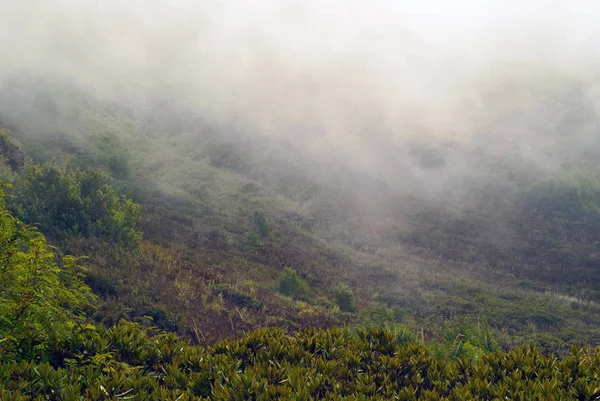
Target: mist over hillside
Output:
[(421, 99), (353, 77), (379, 140)]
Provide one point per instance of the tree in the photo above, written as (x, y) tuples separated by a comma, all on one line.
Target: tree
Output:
[(41, 301)]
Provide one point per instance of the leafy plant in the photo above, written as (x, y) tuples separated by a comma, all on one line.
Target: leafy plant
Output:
[(383, 317), (65, 201), (41, 300), (261, 224), (463, 337), (291, 284), (11, 153), (569, 199), (344, 297), (237, 297), (126, 362), (253, 241)]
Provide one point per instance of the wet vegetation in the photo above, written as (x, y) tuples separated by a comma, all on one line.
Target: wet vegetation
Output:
[(154, 253), (336, 364)]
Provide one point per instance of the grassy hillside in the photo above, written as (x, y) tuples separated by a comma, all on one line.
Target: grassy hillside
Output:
[(224, 213)]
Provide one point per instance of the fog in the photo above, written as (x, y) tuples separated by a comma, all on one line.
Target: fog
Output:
[(382, 87)]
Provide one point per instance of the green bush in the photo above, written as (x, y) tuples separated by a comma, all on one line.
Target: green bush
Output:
[(261, 224), (162, 319), (463, 337), (113, 155), (237, 297), (383, 317), (41, 299), (100, 284), (11, 153), (291, 284), (344, 297), (65, 201), (404, 336), (118, 165), (570, 200), (253, 241)]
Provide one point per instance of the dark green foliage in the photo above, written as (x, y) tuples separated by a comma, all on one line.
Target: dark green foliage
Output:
[(291, 284), (237, 297), (383, 317), (344, 297), (253, 242), (229, 156), (118, 165), (566, 200), (65, 201), (41, 297), (113, 156), (463, 337), (268, 364), (11, 153), (261, 224), (161, 319), (515, 316), (404, 336), (100, 284)]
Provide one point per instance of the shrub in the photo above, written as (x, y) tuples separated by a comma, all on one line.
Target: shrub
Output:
[(261, 224), (463, 337), (10, 151), (113, 155), (404, 336), (237, 297), (66, 201), (571, 200), (291, 284), (161, 318), (41, 300), (344, 297), (383, 317), (118, 165), (253, 241), (100, 284)]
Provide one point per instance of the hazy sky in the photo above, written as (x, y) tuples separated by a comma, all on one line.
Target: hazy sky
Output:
[(133, 35)]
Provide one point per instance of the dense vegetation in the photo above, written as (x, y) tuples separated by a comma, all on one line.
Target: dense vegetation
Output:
[(67, 201), (41, 296), (179, 228), (223, 217), (125, 363)]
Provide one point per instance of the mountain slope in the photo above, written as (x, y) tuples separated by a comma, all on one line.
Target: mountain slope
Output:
[(427, 246)]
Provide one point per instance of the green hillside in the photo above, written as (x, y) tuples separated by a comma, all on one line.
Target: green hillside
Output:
[(202, 234), (222, 217)]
